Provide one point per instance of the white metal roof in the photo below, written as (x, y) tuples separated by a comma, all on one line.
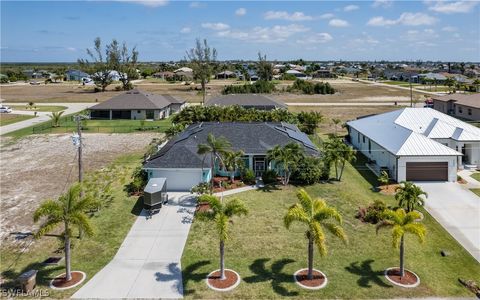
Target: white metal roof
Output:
[(412, 131)]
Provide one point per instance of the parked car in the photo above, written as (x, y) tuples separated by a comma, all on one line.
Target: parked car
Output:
[(5, 109), (34, 83)]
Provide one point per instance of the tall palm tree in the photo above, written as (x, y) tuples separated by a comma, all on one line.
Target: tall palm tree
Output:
[(287, 157), (215, 147), (347, 154), (221, 212), (233, 161), (68, 210), (55, 117), (409, 195), (401, 223), (316, 215)]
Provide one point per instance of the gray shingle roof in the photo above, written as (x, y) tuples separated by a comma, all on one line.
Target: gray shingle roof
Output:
[(249, 100), (137, 99), (252, 138)]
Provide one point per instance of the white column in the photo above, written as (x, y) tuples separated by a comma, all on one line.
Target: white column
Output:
[(110, 114), (250, 161)]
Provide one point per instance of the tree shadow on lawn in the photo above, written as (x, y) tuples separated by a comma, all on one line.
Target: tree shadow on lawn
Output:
[(138, 207), (365, 172), (276, 277), (44, 275), (189, 274), (268, 188), (367, 274)]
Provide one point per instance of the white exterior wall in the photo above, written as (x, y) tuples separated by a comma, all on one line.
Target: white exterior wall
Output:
[(472, 151), (138, 114), (452, 165), (161, 113), (382, 157)]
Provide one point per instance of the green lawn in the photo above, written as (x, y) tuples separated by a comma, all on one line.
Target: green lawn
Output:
[(266, 255), (44, 108), (476, 192), (6, 119), (476, 176), (111, 224)]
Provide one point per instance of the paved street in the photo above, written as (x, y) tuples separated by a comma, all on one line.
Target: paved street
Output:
[(147, 265), (41, 116)]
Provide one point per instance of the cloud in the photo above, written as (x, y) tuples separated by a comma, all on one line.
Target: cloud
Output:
[(317, 38), (448, 7), (382, 3), (216, 26), (327, 16), (449, 29), (338, 23), (71, 49), (408, 19), (72, 18), (196, 4), (283, 15), (420, 37), (186, 30), (241, 11), (149, 3), (260, 34), (351, 7)]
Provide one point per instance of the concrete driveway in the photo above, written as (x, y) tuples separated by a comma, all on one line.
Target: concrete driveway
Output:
[(458, 210), (147, 265)]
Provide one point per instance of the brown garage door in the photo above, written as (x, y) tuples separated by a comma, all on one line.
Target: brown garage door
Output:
[(427, 171)]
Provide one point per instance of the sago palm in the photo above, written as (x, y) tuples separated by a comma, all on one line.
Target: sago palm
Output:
[(317, 216), (233, 161), (401, 223), (409, 195), (220, 213), (55, 117), (68, 210), (214, 147)]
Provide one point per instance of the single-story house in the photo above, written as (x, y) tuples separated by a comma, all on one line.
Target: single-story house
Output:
[(465, 106), (247, 101), (416, 144), (75, 75), (226, 74), (179, 163), (296, 73), (137, 105), (431, 76)]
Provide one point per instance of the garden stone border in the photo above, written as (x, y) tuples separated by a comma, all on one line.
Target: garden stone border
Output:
[(399, 284), (225, 289), (66, 288), (310, 287)]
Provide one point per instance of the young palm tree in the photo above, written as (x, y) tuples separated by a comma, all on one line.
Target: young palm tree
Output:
[(68, 210), (346, 154), (316, 215), (221, 212), (401, 223), (215, 147), (287, 157), (233, 161), (55, 116), (408, 195), (336, 122)]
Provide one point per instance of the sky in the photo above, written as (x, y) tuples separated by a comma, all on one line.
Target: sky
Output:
[(162, 30)]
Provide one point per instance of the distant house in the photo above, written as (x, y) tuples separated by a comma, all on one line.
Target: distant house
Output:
[(75, 75), (137, 105), (298, 74), (323, 74), (247, 101), (226, 74), (164, 75), (431, 76), (416, 144), (179, 162), (465, 106)]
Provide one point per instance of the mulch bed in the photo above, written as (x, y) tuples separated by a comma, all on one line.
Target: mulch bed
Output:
[(388, 189), (230, 279), (462, 181), (202, 207), (60, 282), (318, 279), (408, 279)]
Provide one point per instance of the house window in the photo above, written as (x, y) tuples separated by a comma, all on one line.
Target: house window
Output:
[(460, 110), (469, 111), (369, 146), (358, 137), (363, 138), (138, 111)]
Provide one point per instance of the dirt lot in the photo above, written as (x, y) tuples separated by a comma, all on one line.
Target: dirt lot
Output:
[(348, 91), (39, 167)]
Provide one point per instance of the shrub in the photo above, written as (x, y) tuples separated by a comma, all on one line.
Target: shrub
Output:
[(201, 188), (259, 87), (311, 88), (248, 176), (309, 171), (269, 176), (373, 213), (139, 180), (4, 80)]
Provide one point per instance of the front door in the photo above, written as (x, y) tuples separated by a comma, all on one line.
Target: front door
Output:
[(259, 165)]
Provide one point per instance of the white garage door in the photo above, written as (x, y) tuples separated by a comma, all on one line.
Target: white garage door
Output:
[(179, 179)]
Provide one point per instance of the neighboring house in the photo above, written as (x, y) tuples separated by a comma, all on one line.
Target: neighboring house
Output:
[(164, 75), (226, 74), (465, 106), (137, 105), (431, 76), (32, 74), (416, 144), (298, 74), (323, 74), (247, 101), (183, 168), (75, 75)]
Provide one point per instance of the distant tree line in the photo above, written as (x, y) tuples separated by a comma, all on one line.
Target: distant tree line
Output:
[(311, 88), (258, 87)]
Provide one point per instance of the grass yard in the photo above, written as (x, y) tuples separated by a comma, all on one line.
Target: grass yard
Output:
[(44, 108), (476, 176), (476, 192), (111, 224), (6, 119), (265, 254)]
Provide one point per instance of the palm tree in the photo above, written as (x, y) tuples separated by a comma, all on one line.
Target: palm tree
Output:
[(215, 147), (346, 154), (221, 212), (316, 215), (335, 123), (233, 161), (401, 223), (287, 157), (55, 116), (408, 195), (69, 210)]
